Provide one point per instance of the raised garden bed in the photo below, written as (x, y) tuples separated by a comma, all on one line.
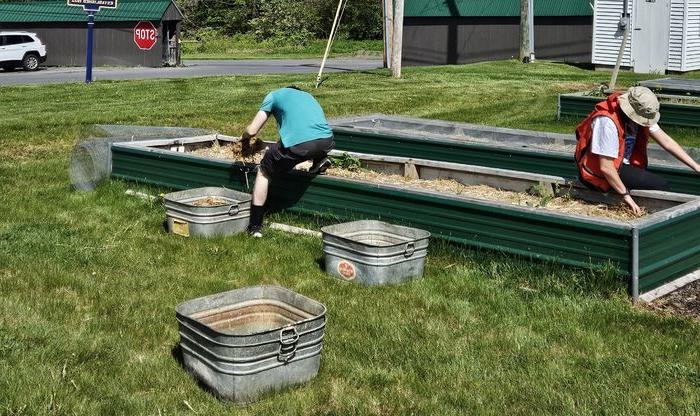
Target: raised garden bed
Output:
[(677, 111), (674, 86), (521, 150), (683, 302), (651, 250)]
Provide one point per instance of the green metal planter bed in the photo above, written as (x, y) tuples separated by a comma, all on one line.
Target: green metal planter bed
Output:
[(521, 150), (674, 86), (651, 251), (579, 105)]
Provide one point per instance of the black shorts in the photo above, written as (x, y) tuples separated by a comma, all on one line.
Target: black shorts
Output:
[(637, 178), (279, 160)]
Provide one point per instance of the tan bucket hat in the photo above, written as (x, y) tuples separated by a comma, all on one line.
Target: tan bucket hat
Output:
[(640, 105)]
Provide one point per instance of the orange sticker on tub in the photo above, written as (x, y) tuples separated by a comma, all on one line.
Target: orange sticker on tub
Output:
[(346, 270)]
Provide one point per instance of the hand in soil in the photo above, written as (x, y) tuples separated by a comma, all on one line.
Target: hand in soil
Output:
[(633, 206), (251, 147)]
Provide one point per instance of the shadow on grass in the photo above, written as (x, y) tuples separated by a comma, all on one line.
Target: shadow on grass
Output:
[(519, 272), (586, 66), (176, 353), (321, 264), (373, 72), (540, 277)]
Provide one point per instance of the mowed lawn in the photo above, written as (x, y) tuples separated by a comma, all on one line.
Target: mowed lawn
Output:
[(246, 47), (89, 281)]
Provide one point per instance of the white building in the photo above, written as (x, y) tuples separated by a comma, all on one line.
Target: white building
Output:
[(664, 35)]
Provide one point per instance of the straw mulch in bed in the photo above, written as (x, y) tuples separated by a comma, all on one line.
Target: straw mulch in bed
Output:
[(562, 204)]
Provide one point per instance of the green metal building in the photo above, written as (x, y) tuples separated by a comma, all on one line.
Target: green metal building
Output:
[(461, 31), (62, 28)]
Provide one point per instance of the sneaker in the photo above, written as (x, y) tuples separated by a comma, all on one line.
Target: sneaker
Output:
[(320, 166), (255, 231)]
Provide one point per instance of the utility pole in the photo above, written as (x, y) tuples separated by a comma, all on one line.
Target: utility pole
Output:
[(398, 38), (531, 27), (526, 31), (388, 31)]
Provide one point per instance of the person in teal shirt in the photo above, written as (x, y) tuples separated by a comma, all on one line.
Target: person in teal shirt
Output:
[(304, 135)]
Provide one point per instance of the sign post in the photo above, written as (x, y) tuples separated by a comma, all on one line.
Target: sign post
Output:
[(91, 7)]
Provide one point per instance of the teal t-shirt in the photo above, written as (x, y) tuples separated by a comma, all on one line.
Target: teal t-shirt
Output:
[(299, 116)]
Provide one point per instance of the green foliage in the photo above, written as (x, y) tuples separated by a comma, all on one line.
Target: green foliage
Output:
[(347, 162), (544, 192), (362, 20), (219, 16), (288, 22)]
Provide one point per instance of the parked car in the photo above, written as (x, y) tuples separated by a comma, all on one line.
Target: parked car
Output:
[(23, 49)]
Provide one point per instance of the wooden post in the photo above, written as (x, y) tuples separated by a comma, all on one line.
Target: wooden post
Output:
[(398, 38), (531, 27), (524, 31), (388, 31)]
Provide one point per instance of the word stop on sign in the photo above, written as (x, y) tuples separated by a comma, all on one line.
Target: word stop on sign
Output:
[(145, 35)]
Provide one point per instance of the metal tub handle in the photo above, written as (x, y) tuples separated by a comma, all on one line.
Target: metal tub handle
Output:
[(234, 210), (410, 249), (289, 337)]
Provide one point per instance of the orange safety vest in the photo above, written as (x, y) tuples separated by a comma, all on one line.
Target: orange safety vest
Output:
[(589, 163)]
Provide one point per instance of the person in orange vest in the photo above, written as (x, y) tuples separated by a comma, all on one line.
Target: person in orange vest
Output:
[(611, 152)]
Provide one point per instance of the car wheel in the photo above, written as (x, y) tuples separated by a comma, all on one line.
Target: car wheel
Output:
[(30, 62)]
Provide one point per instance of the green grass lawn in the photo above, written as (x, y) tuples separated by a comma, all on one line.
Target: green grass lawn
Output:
[(89, 281), (246, 47)]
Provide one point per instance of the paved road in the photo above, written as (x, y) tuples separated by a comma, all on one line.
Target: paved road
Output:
[(190, 69)]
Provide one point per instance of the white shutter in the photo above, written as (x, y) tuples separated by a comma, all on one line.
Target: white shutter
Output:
[(691, 55), (606, 33)]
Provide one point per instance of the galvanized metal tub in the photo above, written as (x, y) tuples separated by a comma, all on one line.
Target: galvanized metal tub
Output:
[(246, 342), (187, 219), (374, 252)]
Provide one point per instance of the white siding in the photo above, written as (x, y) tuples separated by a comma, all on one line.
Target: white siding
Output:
[(691, 61), (606, 34), (675, 40)]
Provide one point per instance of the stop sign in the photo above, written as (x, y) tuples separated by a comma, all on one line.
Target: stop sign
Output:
[(145, 35)]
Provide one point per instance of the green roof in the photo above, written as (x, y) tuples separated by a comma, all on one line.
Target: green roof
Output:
[(494, 8), (59, 11)]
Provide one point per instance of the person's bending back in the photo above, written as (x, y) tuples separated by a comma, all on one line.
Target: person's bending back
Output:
[(304, 135)]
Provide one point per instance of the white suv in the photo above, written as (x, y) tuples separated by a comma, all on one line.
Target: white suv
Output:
[(23, 49)]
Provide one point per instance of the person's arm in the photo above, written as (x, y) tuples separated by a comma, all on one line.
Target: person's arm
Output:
[(607, 166), (254, 127), (671, 146)]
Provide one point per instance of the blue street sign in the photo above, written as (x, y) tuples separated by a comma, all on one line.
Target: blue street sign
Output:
[(91, 7)]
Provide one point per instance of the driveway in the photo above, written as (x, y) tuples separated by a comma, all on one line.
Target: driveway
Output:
[(193, 68)]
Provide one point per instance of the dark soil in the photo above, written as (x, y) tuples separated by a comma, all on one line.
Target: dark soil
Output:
[(683, 302)]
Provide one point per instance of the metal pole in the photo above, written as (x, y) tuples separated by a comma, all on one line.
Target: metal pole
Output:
[(328, 45), (398, 40), (623, 24), (88, 57), (635, 264)]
